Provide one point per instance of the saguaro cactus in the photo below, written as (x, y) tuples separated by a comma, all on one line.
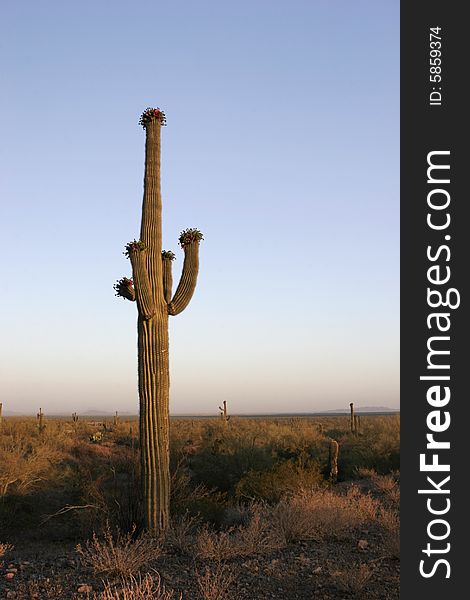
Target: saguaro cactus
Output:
[(357, 424), (223, 413), (333, 460), (40, 421), (150, 287), (351, 406)]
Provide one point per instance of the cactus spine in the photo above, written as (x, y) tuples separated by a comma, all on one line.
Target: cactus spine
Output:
[(150, 287)]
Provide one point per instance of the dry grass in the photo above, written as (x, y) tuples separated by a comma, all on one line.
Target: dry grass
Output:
[(181, 535), (256, 537), (353, 580), (136, 588), (365, 473), (321, 514), (216, 546), (389, 487), (24, 465), (215, 582), (389, 520), (4, 548), (385, 483), (122, 555), (394, 496), (309, 515)]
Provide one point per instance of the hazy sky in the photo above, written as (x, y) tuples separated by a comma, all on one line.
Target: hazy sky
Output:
[(281, 146)]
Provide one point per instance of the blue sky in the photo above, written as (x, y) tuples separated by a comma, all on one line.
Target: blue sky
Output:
[(281, 146)]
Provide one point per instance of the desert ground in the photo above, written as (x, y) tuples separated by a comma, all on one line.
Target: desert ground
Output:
[(257, 510)]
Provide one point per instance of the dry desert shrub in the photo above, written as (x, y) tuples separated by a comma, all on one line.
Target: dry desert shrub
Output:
[(310, 514), (215, 582), (181, 535), (184, 495), (393, 495), (4, 548), (353, 580), (122, 555), (389, 487), (365, 473), (255, 537), (320, 514), (390, 522), (107, 477), (385, 483), (217, 546), (287, 477), (25, 465), (136, 588)]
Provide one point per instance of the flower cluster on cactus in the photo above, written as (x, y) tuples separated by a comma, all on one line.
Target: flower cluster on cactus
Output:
[(133, 246), (152, 114), (168, 255), (188, 236), (122, 285)]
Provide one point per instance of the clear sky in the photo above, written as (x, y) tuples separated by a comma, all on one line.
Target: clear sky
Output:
[(281, 146)]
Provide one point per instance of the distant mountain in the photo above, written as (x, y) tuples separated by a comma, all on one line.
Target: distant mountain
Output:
[(368, 409), (91, 412)]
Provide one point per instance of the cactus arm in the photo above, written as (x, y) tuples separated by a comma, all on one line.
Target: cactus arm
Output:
[(167, 258), (167, 280), (125, 289), (143, 291), (187, 284)]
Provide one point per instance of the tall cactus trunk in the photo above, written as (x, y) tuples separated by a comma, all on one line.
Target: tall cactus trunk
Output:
[(150, 288), (154, 393)]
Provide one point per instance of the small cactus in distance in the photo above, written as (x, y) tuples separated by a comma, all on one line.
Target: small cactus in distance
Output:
[(74, 417), (333, 460), (357, 424), (40, 421), (224, 414), (351, 406)]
